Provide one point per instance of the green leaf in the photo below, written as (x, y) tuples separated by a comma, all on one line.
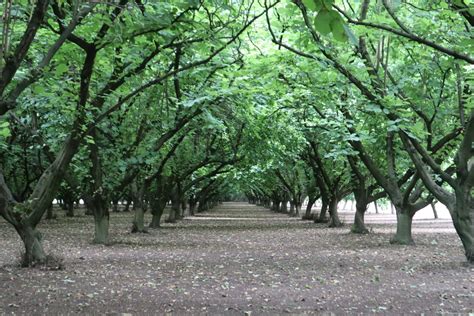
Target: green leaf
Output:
[(5, 129), (322, 22), (310, 5), (61, 69), (338, 31)]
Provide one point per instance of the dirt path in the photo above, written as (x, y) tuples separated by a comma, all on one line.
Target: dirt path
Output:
[(236, 259)]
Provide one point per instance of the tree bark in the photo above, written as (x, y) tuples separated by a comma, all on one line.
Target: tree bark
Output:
[(309, 207), (433, 207), (292, 209), (334, 220), (34, 252), (297, 209), (403, 235), (101, 231), (322, 214), (138, 224), (49, 213)]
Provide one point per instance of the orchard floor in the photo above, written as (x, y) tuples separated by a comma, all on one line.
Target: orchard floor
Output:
[(239, 259)]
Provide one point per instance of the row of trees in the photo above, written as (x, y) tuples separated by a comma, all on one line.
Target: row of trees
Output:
[(380, 108), (190, 101)]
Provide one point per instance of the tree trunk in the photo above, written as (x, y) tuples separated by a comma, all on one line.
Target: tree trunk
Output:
[(333, 213), (433, 207), (70, 210), (101, 220), (403, 234), (463, 220), (297, 209), (292, 209), (376, 207), (115, 207), (275, 205), (359, 223), (309, 207), (174, 212), (322, 214), (101, 233), (138, 224), (358, 227), (49, 213), (127, 206), (284, 206), (184, 207), (34, 252), (157, 209), (192, 207)]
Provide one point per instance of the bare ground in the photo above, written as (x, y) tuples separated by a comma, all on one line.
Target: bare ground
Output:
[(239, 259)]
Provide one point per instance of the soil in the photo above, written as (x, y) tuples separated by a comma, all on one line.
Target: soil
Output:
[(239, 259)]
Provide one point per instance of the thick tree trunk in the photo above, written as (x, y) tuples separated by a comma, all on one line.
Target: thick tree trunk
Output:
[(192, 207), (174, 212), (292, 209), (115, 207), (297, 209), (101, 220), (284, 206), (49, 213), (157, 209), (70, 210), (358, 227), (127, 206), (309, 207), (334, 220), (463, 220), (101, 232), (359, 222), (184, 208), (275, 205), (138, 224), (403, 235), (34, 252), (322, 214)]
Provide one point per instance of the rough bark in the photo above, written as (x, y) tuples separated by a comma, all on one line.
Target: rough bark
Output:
[(34, 252)]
